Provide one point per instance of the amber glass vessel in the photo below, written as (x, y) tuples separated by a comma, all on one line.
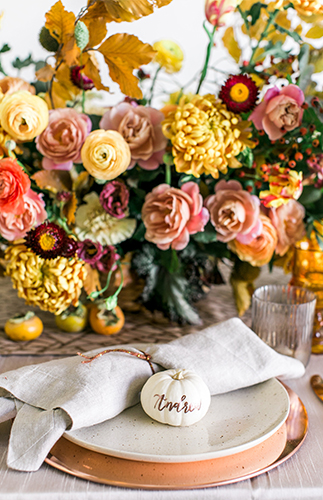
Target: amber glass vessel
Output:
[(308, 273)]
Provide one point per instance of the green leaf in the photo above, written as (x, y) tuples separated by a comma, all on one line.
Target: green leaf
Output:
[(303, 56), (139, 234), (310, 195), (5, 48), (254, 12), (169, 259), (24, 63), (246, 157), (292, 34), (275, 51), (305, 77), (206, 236)]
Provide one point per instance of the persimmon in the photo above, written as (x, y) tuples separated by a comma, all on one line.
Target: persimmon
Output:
[(24, 327), (74, 319), (106, 322)]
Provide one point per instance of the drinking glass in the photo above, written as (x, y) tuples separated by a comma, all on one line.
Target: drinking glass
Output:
[(283, 316)]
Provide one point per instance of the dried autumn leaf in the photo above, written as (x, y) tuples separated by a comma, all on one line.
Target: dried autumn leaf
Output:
[(92, 280), (231, 44), (91, 70), (96, 19), (123, 53), (46, 73), (70, 209), (60, 22), (315, 32), (82, 183), (53, 180), (129, 10)]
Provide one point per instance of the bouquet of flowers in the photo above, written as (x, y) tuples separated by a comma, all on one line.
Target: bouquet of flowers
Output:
[(140, 204)]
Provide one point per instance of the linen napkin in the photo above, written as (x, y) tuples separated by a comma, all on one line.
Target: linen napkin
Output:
[(67, 394)]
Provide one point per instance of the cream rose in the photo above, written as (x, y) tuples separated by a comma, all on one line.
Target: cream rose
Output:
[(105, 154), (289, 223), (23, 115)]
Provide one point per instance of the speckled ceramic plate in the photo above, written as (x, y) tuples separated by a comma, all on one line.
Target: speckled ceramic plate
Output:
[(72, 459), (235, 422)]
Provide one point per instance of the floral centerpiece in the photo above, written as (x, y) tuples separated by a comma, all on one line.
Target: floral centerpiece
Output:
[(149, 199)]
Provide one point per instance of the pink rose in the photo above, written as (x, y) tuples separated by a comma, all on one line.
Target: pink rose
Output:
[(13, 227), (288, 222), (234, 212), (63, 138), (279, 112), (171, 215), (141, 127)]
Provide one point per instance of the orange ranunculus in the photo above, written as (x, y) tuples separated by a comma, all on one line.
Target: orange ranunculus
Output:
[(14, 184), (105, 154), (10, 84), (261, 249), (23, 115)]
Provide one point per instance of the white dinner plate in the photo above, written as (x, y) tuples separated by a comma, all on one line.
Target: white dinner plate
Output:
[(235, 421)]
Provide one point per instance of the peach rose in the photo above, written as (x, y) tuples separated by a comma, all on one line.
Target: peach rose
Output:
[(14, 184), (13, 227), (141, 127), (234, 212), (288, 222), (280, 111), (261, 249), (63, 138), (105, 154), (23, 115), (171, 215), (10, 84)]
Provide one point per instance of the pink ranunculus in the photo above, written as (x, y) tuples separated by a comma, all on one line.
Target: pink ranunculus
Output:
[(234, 212), (171, 215), (13, 227), (141, 127), (288, 221), (279, 112), (63, 138)]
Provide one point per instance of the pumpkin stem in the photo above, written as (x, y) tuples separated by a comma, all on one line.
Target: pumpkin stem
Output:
[(179, 375)]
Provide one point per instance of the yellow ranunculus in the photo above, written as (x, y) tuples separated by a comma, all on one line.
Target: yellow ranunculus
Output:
[(23, 116), (169, 55), (105, 154)]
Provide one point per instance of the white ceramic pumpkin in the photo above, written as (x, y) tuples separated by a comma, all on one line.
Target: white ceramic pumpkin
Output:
[(175, 397)]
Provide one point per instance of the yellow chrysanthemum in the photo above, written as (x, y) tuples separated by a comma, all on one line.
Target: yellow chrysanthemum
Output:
[(169, 55), (309, 10), (53, 285), (206, 137)]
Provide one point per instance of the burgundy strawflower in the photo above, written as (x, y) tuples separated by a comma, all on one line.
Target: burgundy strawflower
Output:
[(239, 93), (81, 81), (114, 198), (108, 260), (48, 240), (89, 251), (70, 248)]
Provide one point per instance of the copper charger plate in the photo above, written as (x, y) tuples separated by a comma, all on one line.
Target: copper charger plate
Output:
[(100, 468)]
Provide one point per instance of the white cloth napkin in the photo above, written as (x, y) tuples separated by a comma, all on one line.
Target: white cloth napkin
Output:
[(67, 394)]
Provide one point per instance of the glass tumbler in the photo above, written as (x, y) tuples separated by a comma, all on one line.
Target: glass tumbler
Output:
[(283, 316)]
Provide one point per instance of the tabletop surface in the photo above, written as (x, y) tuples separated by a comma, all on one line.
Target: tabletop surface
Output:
[(300, 477)]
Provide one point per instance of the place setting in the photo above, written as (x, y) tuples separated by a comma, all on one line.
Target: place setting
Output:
[(161, 250)]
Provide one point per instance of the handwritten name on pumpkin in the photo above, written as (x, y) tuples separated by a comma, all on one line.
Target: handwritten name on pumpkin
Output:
[(182, 405)]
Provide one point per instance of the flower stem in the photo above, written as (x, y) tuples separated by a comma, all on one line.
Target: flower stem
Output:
[(153, 86), (263, 35), (168, 174), (207, 55)]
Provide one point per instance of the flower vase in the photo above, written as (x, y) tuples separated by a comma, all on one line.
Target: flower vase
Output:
[(307, 272)]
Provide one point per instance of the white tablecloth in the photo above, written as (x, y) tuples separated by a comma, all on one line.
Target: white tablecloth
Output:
[(300, 477)]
